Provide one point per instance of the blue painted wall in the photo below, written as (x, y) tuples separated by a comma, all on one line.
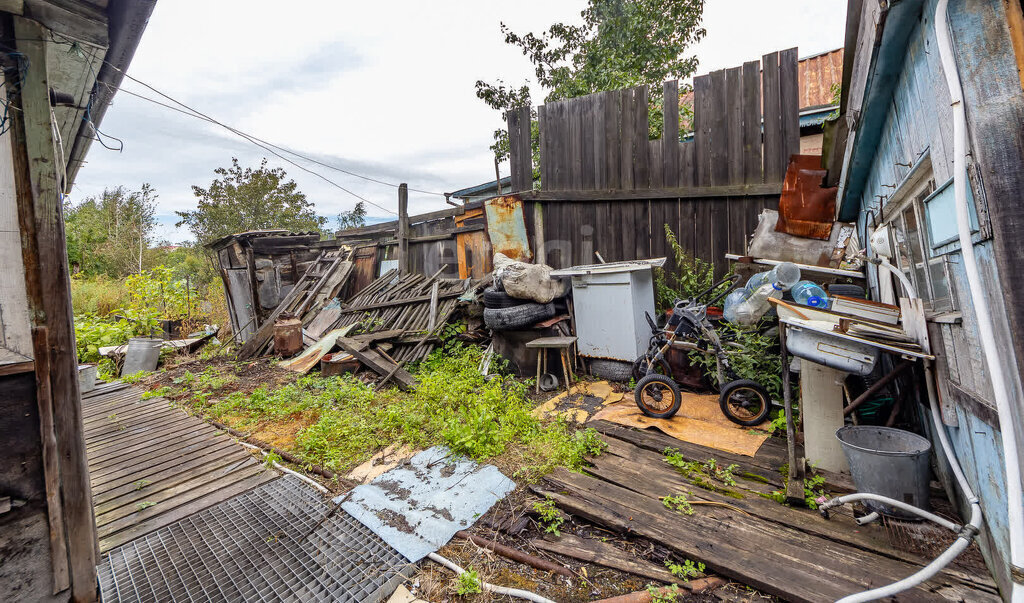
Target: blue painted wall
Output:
[(917, 129)]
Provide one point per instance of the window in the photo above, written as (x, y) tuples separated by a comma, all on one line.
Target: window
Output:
[(915, 255)]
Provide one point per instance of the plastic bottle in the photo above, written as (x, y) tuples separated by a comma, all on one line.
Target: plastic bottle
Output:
[(785, 275), (733, 300), (809, 294), (750, 310)]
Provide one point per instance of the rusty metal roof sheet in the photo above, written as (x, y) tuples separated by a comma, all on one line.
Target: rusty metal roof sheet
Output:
[(817, 75)]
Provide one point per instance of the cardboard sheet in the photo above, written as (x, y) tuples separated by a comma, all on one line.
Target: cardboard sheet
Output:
[(699, 421)]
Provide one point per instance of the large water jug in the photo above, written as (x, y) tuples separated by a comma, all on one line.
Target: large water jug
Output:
[(785, 275), (750, 310), (809, 294), (733, 300)]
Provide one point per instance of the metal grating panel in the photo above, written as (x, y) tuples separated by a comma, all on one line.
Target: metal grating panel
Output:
[(254, 547)]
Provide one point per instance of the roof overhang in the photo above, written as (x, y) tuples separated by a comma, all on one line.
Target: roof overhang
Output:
[(887, 58)]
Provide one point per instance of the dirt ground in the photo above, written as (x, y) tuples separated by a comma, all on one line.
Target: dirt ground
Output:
[(432, 582)]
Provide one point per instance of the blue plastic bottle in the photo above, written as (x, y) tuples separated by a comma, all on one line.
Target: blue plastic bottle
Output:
[(809, 294)]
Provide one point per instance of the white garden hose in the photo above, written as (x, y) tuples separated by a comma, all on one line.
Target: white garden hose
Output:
[(501, 590), (277, 465)]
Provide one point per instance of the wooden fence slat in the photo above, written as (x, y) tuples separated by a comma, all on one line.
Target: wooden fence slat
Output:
[(670, 134), (719, 130), (654, 151), (773, 147), (512, 117), (702, 129), (586, 166), (545, 153), (599, 141), (626, 139), (613, 145), (575, 143), (752, 169), (525, 149), (789, 105), (734, 120), (641, 155), (687, 164), (560, 145)]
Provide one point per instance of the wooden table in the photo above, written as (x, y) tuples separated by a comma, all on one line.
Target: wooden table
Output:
[(563, 345)]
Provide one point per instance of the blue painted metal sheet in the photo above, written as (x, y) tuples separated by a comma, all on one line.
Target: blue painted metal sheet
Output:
[(506, 227), (418, 506)]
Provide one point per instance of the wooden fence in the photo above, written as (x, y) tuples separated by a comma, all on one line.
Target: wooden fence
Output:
[(745, 127)]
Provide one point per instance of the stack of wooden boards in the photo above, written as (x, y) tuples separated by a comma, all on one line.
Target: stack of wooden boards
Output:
[(395, 320), (323, 281)]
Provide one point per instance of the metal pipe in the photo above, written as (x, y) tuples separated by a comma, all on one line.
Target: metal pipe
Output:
[(878, 385), (516, 555), (870, 517)]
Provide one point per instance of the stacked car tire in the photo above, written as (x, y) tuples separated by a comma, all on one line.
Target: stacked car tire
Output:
[(502, 312)]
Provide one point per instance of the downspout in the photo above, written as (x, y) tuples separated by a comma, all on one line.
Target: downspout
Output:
[(1014, 494)]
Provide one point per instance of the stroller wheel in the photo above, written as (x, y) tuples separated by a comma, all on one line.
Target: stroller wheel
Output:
[(745, 402), (658, 396)]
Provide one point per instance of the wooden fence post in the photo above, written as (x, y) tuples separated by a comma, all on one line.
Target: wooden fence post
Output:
[(403, 228)]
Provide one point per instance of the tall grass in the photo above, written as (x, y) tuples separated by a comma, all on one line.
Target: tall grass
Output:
[(99, 295)]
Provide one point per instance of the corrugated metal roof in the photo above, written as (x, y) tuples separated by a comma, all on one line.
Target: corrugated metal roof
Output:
[(817, 75)]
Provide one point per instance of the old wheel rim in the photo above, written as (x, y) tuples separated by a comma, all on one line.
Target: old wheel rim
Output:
[(657, 397), (746, 403)]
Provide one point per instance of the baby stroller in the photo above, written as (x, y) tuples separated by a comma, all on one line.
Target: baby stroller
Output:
[(658, 395)]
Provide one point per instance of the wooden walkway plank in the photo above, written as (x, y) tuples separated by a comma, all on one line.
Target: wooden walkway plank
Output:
[(132, 458), (104, 485)]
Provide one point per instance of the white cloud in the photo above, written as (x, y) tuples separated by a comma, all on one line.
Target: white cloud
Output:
[(380, 88)]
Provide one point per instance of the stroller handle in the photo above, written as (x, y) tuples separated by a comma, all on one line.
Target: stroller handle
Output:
[(650, 321)]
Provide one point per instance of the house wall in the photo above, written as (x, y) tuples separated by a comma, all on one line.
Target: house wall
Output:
[(917, 129)]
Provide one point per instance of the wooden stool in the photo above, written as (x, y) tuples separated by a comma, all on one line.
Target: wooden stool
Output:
[(563, 345)]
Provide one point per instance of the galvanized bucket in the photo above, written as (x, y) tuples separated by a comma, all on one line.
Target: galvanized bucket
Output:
[(143, 354), (890, 462)]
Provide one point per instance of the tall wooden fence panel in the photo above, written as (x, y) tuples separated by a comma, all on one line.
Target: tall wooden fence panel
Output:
[(745, 127)]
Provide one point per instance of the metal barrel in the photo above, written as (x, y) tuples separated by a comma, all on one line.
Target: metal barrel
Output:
[(142, 354), (890, 462)]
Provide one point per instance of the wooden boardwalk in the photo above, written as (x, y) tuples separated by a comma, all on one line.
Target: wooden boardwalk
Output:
[(788, 552), (151, 465)]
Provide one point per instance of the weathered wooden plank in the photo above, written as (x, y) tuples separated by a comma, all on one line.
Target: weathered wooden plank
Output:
[(222, 446), (688, 165), (576, 143), (558, 145), (733, 544), (599, 142), (751, 108), (702, 118), (525, 149), (588, 178), (773, 140), (641, 129), (670, 135), (734, 123), (512, 118), (378, 363), (789, 105), (719, 129), (627, 127), (608, 555), (613, 139), (40, 217), (719, 232), (112, 490), (657, 175), (543, 141)]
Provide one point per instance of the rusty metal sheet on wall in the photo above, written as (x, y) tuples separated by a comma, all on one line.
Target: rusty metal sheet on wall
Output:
[(472, 248), (806, 209), (506, 227), (363, 269)]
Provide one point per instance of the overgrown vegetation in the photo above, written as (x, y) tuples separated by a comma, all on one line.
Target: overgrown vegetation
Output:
[(550, 517), (692, 276), (346, 421), (689, 569), (667, 594), (679, 503), (708, 474), (814, 488), (468, 583)]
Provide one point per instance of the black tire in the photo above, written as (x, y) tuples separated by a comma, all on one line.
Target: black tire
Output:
[(613, 370), (745, 402), (846, 290), (658, 396), (516, 317), (640, 368), (499, 299)]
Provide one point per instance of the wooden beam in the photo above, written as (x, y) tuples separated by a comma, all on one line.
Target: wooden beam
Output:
[(393, 224), (379, 364), (403, 228), (693, 192), (49, 287), (1015, 23)]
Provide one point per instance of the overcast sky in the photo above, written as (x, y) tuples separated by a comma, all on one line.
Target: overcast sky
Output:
[(384, 89)]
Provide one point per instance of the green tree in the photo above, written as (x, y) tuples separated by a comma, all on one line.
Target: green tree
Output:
[(353, 218), (244, 199), (621, 43), (111, 234)]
